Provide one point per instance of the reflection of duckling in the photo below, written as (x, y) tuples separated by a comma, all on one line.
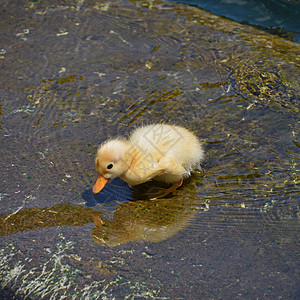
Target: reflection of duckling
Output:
[(150, 221), (163, 152)]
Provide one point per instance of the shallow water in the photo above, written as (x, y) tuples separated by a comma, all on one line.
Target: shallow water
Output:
[(75, 74)]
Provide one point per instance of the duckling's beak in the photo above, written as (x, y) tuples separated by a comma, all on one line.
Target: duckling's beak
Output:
[(100, 183)]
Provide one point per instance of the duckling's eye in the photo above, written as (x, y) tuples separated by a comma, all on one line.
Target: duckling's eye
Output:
[(109, 166)]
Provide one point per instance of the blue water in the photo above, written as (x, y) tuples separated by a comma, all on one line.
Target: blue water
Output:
[(275, 16)]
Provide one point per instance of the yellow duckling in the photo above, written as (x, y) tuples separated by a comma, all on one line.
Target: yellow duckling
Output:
[(163, 152)]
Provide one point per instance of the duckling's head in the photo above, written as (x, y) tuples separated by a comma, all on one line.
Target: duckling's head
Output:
[(112, 160)]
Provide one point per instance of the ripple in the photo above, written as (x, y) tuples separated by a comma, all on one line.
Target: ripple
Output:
[(138, 108)]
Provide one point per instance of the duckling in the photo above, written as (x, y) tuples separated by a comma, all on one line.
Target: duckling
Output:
[(162, 152)]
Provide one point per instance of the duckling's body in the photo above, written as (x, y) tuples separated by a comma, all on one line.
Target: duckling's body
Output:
[(163, 152)]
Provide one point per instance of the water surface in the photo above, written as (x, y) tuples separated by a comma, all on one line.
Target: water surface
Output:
[(74, 74), (281, 17)]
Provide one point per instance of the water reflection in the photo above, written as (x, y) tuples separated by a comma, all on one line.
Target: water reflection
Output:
[(148, 220), (38, 218)]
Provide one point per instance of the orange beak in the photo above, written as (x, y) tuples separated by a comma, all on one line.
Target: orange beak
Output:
[(100, 184)]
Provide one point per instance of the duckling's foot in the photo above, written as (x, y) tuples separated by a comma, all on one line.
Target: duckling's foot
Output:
[(97, 219), (160, 192)]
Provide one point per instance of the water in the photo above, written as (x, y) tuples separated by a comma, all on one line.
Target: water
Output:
[(74, 74), (278, 17)]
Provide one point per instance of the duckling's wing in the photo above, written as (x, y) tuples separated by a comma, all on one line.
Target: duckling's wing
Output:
[(170, 166)]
